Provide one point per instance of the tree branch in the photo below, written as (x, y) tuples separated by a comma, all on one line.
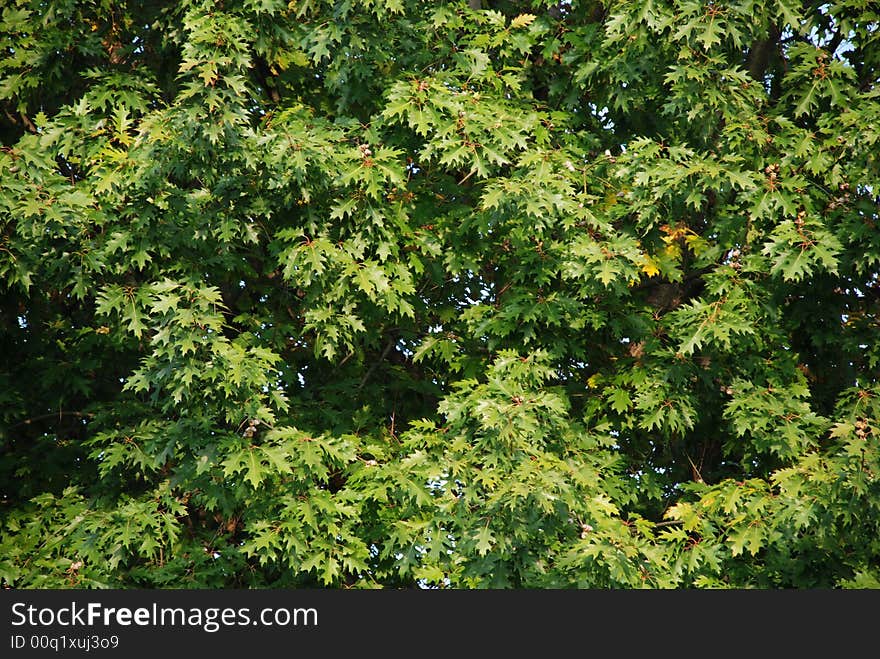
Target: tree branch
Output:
[(28, 123), (376, 363), (759, 54), (59, 413)]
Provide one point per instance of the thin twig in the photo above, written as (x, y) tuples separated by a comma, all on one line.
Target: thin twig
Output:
[(668, 522), (699, 476), (376, 363), (59, 413), (467, 176)]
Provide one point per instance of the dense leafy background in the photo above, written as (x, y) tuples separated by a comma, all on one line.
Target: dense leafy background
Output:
[(398, 293)]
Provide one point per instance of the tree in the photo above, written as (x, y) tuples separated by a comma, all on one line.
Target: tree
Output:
[(440, 294)]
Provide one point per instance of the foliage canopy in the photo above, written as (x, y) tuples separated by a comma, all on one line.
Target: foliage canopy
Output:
[(397, 293)]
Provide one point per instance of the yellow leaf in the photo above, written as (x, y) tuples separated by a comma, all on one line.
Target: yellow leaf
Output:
[(522, 20), (649, 266), (593, 380), (696, 243), (610, 199)]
